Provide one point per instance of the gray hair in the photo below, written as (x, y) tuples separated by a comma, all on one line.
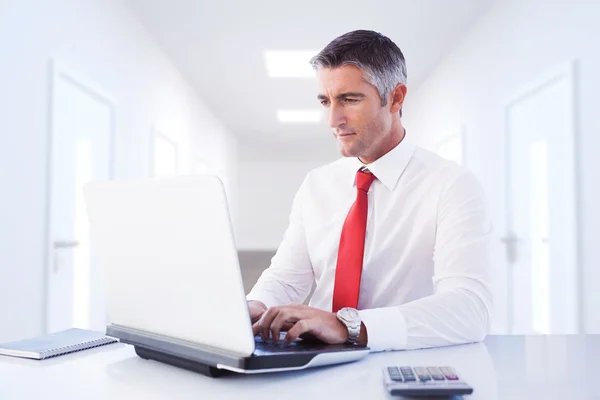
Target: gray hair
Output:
[(375, 54)]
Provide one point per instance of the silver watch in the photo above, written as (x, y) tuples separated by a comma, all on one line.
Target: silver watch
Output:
[(351, 319)]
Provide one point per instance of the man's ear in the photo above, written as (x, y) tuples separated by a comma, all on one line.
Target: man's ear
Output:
[(397, 98)]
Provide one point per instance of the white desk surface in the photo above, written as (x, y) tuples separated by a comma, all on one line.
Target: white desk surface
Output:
[(502, 367)]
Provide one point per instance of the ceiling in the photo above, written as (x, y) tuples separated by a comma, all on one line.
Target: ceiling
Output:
[(218, 45)]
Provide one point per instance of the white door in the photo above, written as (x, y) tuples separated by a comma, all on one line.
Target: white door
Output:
[(541, 242), (82, 123)]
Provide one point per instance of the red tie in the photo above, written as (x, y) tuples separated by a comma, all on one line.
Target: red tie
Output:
[(352, 247)]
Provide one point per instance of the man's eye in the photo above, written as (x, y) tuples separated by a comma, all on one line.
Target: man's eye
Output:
[(324, 102), (351, 100)]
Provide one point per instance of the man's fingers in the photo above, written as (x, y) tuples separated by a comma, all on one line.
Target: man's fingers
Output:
[(278, 319), (266, 321), (256, 328), (286, 327), (256, 310), (256, 318), (301, 327), (284, 321)]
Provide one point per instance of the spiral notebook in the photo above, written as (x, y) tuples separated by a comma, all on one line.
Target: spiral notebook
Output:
[(55, 344)]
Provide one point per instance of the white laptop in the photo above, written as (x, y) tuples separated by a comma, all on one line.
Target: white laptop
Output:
[(174, 287)]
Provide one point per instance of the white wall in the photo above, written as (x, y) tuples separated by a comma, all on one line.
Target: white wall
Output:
[(517, 41), (266, 192), (106, 43)]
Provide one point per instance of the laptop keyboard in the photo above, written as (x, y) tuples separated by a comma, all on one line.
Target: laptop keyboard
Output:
[(272, 346), (296, 346)]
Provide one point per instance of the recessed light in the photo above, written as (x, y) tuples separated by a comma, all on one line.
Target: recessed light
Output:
[(289, 63), (295, 116)]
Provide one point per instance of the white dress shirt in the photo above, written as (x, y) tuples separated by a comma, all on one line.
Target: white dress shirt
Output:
[(426, 272)]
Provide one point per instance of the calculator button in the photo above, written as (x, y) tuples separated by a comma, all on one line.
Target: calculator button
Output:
[(395, 374), (436, 373), (422, 374), (408, 373), (449, 373)]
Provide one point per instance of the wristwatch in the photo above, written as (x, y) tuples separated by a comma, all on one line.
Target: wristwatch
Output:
[(351, 319)]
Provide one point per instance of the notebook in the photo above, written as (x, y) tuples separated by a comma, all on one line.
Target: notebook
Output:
[(55, 344)]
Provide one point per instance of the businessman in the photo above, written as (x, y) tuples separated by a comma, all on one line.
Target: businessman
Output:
[(395, 237)]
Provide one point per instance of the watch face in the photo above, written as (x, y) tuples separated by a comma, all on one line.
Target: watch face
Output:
[(350, 314)]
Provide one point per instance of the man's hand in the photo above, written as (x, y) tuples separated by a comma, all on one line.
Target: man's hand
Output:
[(300, 320), (257, 309)]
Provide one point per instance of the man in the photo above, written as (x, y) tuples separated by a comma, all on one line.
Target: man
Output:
[(395, 237)]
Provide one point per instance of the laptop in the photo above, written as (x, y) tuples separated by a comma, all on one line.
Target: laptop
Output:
[(173, 283)]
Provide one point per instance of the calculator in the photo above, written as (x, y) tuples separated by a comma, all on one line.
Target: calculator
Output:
[(424, 381)]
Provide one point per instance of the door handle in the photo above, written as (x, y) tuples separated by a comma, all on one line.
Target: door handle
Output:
[(59, 245), (66, 244), (510, 241)]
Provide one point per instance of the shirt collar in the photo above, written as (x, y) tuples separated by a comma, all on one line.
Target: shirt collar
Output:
[(388, 168)]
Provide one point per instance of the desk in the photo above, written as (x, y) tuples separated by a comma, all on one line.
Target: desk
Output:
[(502, 367)]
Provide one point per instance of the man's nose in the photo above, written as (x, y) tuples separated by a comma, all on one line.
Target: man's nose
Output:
[(336, 117)]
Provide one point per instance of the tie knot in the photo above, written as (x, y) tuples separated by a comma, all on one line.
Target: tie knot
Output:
[(364, 179)]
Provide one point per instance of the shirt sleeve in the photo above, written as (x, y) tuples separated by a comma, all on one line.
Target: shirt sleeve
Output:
[(459, 311), (290, 277)]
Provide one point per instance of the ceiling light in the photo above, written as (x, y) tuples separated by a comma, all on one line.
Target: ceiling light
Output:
[(289, 63), (292, 116)]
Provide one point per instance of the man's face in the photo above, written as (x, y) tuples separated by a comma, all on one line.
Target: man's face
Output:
[(353, 110)]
